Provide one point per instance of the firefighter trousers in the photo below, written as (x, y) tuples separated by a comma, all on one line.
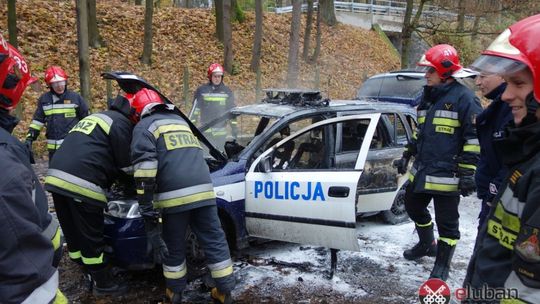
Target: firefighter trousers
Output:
[(446, 211), (205, 223), (82, 225)]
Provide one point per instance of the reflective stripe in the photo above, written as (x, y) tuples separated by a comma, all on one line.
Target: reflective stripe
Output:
[(75, 184), (53, 144), (510, 203), (44, 293), (412, 173), (36, 124), (128, 170), (104, 121), (56, 239), (93, 261), (446, 184), (448, 241), (74, 255), (446, 114), (446, 122), (473, 141), (471, 148), (221, 269), (421, 119), (60, 109), (52, 232), (508, 220), (415, 135), (216, 131), (164, 122), (60, 298), (184, 192), (146, 169), (423, 225), (467, 166), (175, 272), (216, 97), (422, 113), (140, 191)]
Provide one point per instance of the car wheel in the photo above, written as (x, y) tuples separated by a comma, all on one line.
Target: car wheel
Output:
[(397, 213)]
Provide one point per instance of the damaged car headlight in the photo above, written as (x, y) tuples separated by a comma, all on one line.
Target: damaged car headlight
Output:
[(124, 209)]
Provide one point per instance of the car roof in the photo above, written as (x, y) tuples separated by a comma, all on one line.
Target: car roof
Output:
[(282, 110), (412, 73)]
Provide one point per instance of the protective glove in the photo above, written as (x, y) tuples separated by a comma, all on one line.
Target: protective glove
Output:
[(401, 165), (28, 144), (153, 233), (466, 185)]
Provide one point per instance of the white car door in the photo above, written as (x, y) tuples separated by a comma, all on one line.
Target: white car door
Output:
[(309, 199)]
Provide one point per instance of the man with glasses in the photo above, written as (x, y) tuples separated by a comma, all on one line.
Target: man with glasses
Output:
[(59, 110)]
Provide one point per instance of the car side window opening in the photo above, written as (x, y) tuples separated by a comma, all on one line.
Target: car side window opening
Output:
[(399, 133)]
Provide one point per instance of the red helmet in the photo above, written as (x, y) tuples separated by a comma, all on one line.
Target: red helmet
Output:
[(513, 50), (443, 58), (55, 74), (143, 98), (214, 68), (14, 75)]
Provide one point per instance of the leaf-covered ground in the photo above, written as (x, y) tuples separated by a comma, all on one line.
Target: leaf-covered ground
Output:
[(185, 38)]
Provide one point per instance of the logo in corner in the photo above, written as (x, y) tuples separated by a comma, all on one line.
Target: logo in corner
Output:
[(434, 291)]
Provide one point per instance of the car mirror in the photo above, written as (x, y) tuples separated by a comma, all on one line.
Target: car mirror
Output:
[(265, 164)]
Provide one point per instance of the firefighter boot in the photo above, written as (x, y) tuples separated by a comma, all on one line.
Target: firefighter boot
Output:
[(105, 285), (219, 297), (174, 297), (445, 252), (426, 245)]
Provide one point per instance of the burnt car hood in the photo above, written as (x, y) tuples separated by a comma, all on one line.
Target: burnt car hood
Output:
[(131, 83)]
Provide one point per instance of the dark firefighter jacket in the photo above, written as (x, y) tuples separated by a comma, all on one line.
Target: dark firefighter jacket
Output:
[(164, 148), (445, 140), (507, 252), (49, 225), (59, 114), (26, 271), (94, 154), (490, 125), (211, 101)]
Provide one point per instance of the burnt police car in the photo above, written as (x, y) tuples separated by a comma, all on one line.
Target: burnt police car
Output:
[(294, 167)]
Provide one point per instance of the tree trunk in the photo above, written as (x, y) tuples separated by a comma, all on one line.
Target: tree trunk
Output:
[(307, 32), (328, 12), (12, 23), (317, 50), (461, 16), (476, 26), (82, 43), (279, 3), (138, 2), (147, 50), (257, 39), (219, 19), (409, 26), (227, 37), (94, 40), (294, 41)]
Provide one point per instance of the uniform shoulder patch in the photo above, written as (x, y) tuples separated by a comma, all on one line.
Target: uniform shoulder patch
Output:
[(449, 106), (515, 177)]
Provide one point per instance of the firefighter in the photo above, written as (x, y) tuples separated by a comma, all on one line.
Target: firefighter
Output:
[(94, 154), (508, 250), (490, 125), (173, 180), (27, 272), (59, 110), (212, 100), (446, 151)]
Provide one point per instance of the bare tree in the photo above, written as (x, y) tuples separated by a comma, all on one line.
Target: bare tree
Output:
[(328, 12), (218, 4), (257, 39), (317, 50), (294, 41), (147, 50), (12, 23), (82, 42), (409, 26), (461, 16), (307, 32), (227, 37), (94, 39)]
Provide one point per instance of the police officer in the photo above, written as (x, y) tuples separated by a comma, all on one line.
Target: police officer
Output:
[(59, 110), (212, 100), (94, 154), (173, 177), (507, 251), (490, 125), (26, 267), (446, 151)]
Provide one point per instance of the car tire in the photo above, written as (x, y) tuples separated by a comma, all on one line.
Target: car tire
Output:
[(397, 213)]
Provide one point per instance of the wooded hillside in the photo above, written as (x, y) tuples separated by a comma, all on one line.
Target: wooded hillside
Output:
[(184, 37)]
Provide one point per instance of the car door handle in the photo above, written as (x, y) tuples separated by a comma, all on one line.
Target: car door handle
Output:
[(339, 191)]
